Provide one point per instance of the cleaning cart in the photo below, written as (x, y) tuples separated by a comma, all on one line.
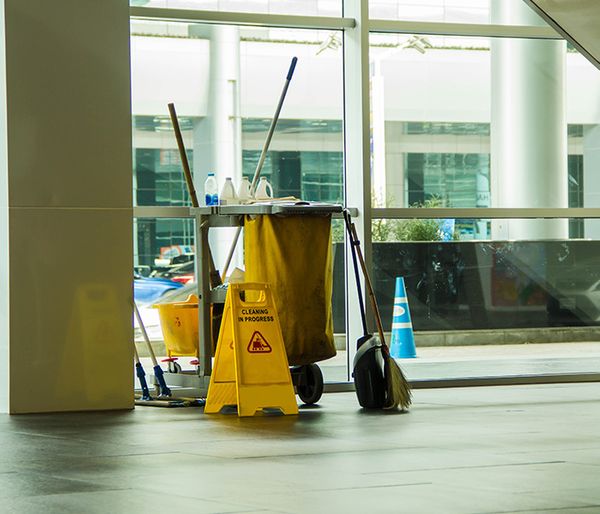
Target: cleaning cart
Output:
[(287, 245)]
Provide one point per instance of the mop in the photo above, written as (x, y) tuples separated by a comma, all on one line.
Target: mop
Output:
[(164, 398)]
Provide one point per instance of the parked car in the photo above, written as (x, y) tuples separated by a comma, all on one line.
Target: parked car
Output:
[(148, 290), (182, 273)]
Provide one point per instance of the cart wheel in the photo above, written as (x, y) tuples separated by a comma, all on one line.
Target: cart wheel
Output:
[(174, 367), (310, 389)]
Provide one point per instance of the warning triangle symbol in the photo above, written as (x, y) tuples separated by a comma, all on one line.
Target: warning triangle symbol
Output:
[(258, 344)]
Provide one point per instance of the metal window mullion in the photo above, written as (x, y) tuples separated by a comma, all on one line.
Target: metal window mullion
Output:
[(356, 153), (241, 18), (161, 212), (462, 29), (487, 213)]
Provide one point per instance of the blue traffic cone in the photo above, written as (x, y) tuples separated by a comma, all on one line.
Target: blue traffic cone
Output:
[(402, 345)]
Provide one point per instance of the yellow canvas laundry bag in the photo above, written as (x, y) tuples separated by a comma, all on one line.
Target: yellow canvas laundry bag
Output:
[(294, 255)]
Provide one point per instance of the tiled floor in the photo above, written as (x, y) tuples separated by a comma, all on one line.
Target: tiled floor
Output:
[(447, 362), (472, 450)]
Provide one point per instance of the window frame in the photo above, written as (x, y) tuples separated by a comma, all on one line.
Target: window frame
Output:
[(357, 27)]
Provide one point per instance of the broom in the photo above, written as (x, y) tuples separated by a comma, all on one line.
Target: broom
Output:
[(398, 388)]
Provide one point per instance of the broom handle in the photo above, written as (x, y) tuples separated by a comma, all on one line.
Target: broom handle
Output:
[(261, 160), (215, 279), (369, 285), (361, 302)]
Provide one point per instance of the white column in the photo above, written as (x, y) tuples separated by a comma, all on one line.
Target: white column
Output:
[(528, 131), (66, 206), (591, 177), (218, 136), (482, 184), (378, 159), (395, 179)]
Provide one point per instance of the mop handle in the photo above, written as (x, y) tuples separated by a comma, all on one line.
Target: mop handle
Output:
[(136, 356), (261, 160), (145, 334), (215, 279), (369, 286), (183, 155), (274, 121), (361, 303)]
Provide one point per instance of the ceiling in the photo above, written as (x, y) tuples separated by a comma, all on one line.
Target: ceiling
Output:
[(577, 20)]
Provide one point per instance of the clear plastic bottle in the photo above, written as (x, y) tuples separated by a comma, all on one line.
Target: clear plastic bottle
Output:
[(244, 190), (211, 190), (228, 194), (264, 191)]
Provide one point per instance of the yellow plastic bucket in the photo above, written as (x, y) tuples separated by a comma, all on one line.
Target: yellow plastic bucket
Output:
[(179, 324)]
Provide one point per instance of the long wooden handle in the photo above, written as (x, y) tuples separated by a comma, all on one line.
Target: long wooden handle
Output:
[(183, 155), (369, 285), (215, 278)]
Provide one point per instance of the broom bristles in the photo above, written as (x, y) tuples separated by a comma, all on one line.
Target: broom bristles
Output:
[(398, 388)]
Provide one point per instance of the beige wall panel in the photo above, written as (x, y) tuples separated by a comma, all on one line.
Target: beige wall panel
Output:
[(70, 310), (67, 63), (4, 307)]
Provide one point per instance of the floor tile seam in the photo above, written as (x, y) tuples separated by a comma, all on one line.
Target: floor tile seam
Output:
[(321, 453), (543, 510), (567, 490), (210, 499), (97, 489), (491, 406), (454, 468), (548, 450), (89, 457), (70, 439), (377, 486)]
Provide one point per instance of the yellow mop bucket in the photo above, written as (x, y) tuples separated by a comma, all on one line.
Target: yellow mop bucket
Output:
[(179, 324)]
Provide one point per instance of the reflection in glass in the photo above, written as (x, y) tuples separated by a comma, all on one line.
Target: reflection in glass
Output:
[(495, 308), (474, 285)]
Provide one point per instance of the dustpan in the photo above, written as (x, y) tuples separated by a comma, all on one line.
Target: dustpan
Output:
[(368, 364)]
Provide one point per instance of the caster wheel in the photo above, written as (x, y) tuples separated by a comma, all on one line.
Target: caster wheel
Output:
[(174, 367), (310, 388)]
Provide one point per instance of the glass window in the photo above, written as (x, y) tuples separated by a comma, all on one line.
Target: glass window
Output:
[(225, 83), (475, 304), (458, 126), (306, 7), (453, 11)]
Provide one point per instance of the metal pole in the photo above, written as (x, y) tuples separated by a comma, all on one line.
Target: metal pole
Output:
[(261, 160)]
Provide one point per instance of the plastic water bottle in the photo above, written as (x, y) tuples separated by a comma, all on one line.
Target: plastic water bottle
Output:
[(228, 194), (211, 190)]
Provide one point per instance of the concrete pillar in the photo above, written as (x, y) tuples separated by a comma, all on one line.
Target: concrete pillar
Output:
[(66, 206), (482, 184), (528, 129), (591, 177), (218, 136), (378, 153)]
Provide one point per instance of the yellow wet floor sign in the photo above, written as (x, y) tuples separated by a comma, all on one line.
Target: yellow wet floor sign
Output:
[(251, 367)]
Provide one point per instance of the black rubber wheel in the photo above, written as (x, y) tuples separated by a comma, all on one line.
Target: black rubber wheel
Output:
[(310, 388), (174, 367)]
